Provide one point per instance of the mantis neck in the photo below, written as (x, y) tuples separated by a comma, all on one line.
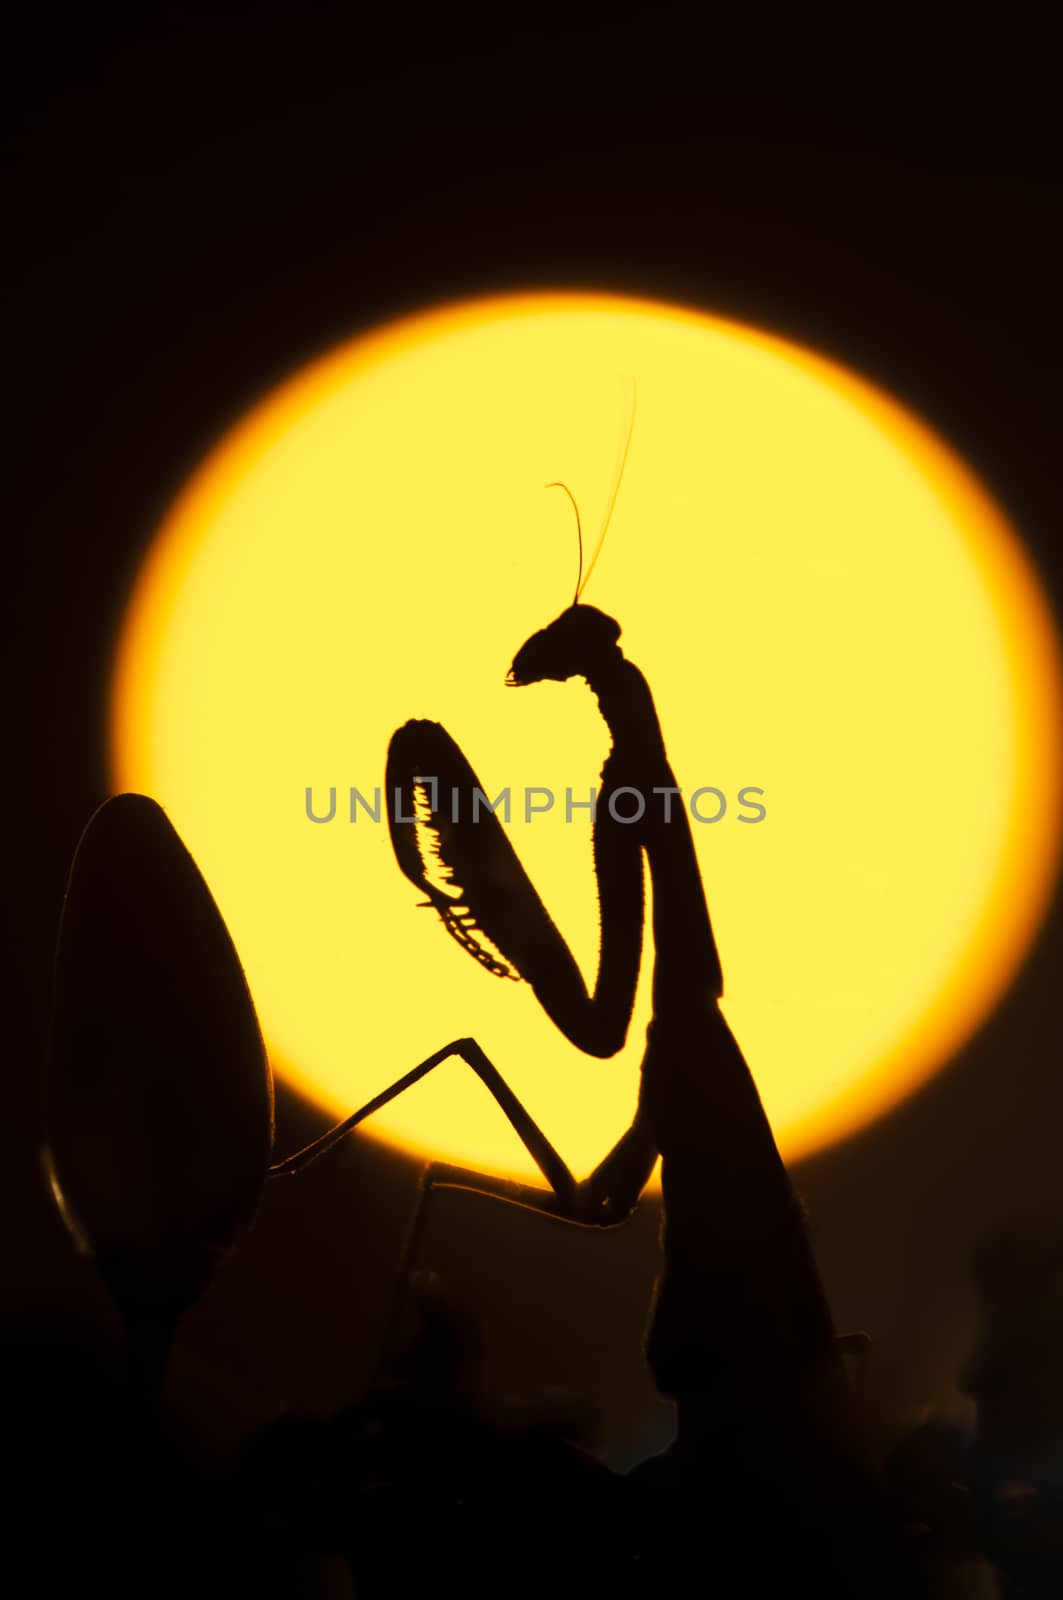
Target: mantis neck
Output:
[(687, 973)]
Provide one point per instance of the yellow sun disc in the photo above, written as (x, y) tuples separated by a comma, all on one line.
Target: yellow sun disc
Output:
[(843, 636)]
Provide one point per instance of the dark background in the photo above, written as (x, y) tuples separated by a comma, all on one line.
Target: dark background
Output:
[(199, 204)]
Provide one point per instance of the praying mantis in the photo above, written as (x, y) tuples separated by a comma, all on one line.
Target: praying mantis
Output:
[(741, 1288)]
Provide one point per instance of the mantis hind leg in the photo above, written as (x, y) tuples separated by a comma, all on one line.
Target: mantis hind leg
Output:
[(604, 1199)]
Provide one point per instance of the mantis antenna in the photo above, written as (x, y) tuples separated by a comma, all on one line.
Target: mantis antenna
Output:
[(582, 579), (579, 530), (621, 464)]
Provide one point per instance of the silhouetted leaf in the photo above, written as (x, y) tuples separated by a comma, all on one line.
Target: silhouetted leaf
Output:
[(159, 1094)]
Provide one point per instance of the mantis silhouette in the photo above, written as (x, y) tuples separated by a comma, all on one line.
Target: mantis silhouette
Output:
[(741, 1285)]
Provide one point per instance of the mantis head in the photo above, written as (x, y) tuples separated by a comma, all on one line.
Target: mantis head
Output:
[(573, 645)]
